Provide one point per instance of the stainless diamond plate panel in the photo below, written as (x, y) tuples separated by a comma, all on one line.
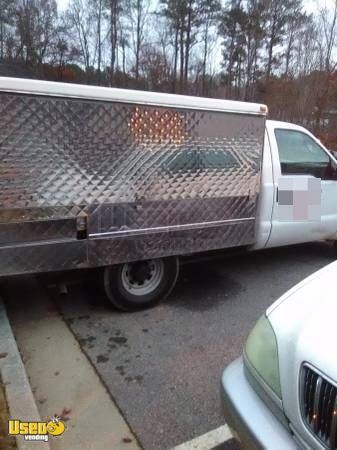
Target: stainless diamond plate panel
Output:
[(163, 180), (43, 257), (106, 251), (16, 232)]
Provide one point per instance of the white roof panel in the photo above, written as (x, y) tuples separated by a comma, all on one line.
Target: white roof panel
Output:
[(81, 91)]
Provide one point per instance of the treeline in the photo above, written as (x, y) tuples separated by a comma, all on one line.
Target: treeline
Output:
[(270, 51)]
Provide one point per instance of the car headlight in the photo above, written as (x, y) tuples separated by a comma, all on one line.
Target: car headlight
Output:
[(261, 352)]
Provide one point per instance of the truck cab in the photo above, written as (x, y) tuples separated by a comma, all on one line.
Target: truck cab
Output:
[(298, 196)]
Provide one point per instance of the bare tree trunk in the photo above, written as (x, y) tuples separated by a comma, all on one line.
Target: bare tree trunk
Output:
[(271, 45), (331, 36), (249, 67), (188, 42), (123, 55), (1, 39), (113, 37), (254, 77), (231, 65), (175, 63), (138, 35), (204, 59), (289, 48), (329, 29), (99, 35), (181, 79)]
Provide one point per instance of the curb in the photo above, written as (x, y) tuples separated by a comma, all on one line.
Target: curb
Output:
[(20, 399)]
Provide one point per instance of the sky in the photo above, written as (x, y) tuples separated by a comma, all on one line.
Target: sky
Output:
[(309, 5), (62, 4), (314, 5)]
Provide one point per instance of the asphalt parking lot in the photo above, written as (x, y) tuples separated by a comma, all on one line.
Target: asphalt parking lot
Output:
[(162, 366)]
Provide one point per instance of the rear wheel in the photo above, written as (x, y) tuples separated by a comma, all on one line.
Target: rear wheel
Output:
[(141, 284)]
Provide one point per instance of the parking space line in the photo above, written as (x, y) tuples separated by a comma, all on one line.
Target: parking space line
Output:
[(208, 440)]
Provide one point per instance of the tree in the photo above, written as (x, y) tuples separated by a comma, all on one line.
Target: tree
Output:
[(170, 11), (115, 10), (81, 21), (208, 13), (297, 21), (35, 23), (154, 68), (255, 34), (183, 19), (277, 17), (138, 13), (98, 10), (64, 51), (7, 8), (232, 29), (328, 29)]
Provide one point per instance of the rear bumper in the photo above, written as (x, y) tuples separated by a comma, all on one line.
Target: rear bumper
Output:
[(249, 418)]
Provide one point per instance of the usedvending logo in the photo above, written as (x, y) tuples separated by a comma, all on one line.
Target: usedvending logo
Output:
[(36, 431)]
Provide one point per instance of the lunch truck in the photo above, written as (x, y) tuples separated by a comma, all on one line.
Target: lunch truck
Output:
[(128, 182)]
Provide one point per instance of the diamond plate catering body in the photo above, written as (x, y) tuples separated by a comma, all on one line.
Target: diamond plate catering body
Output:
[(96, 176)]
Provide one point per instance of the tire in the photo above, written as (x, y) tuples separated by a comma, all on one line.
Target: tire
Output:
[(141, 284)]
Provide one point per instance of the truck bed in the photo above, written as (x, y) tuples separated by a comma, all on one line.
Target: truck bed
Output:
[(145, 175)]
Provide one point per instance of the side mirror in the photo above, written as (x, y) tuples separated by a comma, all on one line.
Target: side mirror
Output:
[(333, 169)]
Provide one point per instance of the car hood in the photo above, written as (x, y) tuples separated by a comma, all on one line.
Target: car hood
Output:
[(304, 321)]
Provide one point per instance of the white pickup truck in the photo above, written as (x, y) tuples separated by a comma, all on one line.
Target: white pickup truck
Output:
[(289, 212), (130, 181)]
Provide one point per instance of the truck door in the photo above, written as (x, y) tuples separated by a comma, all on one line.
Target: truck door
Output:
[(305, 203)]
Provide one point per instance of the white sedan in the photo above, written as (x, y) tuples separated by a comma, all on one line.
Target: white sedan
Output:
[(282, 394)]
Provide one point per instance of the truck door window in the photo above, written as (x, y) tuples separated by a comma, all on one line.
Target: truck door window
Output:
[(301, 155)]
